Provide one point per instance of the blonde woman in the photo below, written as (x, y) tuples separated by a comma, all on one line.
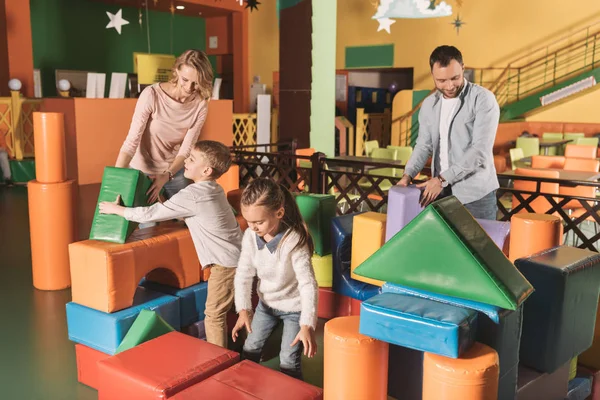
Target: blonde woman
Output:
[(167, 122)]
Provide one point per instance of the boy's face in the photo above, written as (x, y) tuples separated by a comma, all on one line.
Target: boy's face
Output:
[(196, 167), (263, 221)]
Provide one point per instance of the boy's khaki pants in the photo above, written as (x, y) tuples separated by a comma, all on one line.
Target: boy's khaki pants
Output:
[(218, 304)]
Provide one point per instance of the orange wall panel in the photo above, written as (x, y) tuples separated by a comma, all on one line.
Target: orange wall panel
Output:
[(220, 27), (15, 23)]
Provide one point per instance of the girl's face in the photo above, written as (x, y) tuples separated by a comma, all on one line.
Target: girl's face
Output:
[(262, 220)]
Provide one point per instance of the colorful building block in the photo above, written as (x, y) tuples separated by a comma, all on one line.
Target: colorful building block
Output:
[(132, 186), (87, 364), (105, 332), (464, 262), (332, 304), (317, 211), (403, 207), (323, 267), (368, 235), (196, 330), (147, 326), (534, 385), (161, 368), (192, 300), (104, 275)]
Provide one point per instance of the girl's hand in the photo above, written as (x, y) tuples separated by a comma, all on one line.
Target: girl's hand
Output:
[(107, 207), (158, 181), (307, 337), (244, 321)]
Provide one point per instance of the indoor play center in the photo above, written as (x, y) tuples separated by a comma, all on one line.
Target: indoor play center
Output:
[(335, 101)]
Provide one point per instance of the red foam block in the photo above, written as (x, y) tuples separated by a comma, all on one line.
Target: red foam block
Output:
[(87, 364), (250, 381), (161, 368), (332, 304)]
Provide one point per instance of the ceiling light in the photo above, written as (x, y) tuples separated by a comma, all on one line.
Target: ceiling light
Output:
[(180, 7)]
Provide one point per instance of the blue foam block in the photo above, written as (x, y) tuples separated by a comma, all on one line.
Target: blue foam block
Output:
[(192, 300), (580, 388), (341, 248), (419, 324), (104, 332), (559, 317)]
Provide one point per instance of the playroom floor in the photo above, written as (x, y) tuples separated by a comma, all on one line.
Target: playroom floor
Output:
[(37, 360)]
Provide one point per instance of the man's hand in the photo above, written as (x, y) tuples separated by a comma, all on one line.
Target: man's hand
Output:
[(405, 181), (433, 188)]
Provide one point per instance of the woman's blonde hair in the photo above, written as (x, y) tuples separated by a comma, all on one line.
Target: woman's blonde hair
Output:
[(199, 61)]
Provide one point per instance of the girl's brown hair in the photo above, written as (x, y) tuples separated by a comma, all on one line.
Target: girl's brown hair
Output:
[(199, 61), (265, 192)]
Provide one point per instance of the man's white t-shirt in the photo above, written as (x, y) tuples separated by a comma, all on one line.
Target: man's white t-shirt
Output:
[(446, 114)]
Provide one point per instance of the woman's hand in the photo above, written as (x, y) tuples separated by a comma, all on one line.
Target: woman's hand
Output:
[(107, 207), (307, 337), (244, 321), (158, 181)]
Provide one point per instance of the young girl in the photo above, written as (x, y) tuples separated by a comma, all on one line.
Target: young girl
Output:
[(277, 248)]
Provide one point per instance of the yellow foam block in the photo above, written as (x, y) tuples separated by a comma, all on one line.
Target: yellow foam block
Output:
[(105, 275), (323, 267), (591, 357), (368, 235)]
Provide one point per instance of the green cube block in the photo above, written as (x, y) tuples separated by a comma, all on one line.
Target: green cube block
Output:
[(22, 170), (132, 185), (147, 326), (318, 210)]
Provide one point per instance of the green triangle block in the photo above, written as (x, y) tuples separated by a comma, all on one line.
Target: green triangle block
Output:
[(318, 210), (132, 185), (445, 251), (147, 326)]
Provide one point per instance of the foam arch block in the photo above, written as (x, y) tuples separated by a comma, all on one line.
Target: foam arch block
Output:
[(343, 284), (105, 275), (465, 263), (192, 300), (368, 235), (317, 211), (147, 326), (105, 332), (419, 324), (559, 317), (161, 368), (250, 381), (132, 186)]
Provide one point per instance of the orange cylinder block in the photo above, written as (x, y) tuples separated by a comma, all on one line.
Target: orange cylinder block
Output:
[(52, 228), (50, 149), (473, 376), (531, 233), (355, 365)]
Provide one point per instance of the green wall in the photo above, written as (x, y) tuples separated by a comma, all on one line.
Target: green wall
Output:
[(72, 34)]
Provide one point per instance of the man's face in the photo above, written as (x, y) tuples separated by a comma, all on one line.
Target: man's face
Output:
[(450, 79)]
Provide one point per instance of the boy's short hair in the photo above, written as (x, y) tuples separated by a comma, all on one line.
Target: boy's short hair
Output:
[(217, 155)]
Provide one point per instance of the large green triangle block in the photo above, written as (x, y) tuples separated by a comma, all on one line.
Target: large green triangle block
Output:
[(147, 326), (132, 186), (444, 250)]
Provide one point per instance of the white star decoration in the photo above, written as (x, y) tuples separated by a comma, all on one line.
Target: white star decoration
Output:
[(116, 21), (384, 24)]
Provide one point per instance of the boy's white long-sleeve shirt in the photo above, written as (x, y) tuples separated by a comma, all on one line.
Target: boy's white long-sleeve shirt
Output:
[(286, 277), (215, 232)]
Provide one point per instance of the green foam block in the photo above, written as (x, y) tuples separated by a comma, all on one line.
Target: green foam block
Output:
[(147, 326), (132, 185), (23, 170), (445, 251), (318, 210)]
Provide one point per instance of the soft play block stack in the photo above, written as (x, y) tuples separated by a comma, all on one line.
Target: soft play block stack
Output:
[(105, 332), (192, 300), (343, 284), (419, 324), (559, 317), (497, 328), (87, 365), (465, 262), (52, 207), (403, 207), (132, 186), (247, 380), (368, 235), (105, 275), (161, 368), (147, 326), (317, 211), (534, 385)]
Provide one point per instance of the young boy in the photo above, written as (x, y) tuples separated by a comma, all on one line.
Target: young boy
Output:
[(213, 227)]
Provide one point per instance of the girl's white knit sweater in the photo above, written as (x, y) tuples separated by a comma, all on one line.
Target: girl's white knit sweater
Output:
[(286, 277)]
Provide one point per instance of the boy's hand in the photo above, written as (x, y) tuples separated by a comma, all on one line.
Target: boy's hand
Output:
[(244, 321), (107, 207), (307, 337)]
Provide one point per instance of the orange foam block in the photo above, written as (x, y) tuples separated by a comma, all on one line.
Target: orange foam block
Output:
[(161, 368), (87, 364), (104, 275), (368, 235), (230, 180)]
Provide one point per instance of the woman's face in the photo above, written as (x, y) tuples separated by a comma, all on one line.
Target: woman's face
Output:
[(187, 78)]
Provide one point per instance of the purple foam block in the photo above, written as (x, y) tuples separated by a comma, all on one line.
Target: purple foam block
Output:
[(498, 231), (403, 207), (196, 330)]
